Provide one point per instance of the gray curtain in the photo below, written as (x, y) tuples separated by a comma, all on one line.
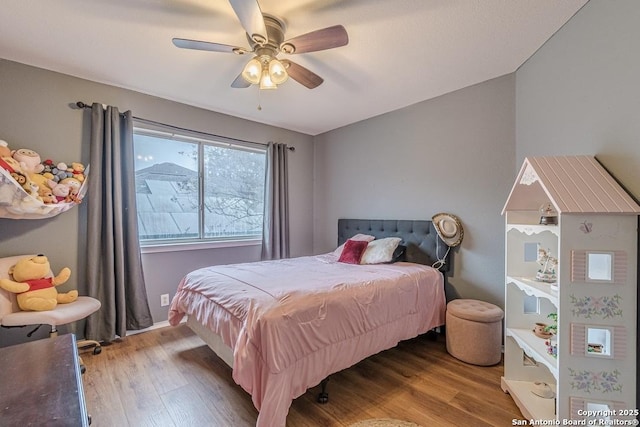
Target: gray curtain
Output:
[(275, 230), (114, 267)]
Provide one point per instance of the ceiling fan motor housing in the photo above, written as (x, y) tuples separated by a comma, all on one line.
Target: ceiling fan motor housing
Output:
[(275, 33)]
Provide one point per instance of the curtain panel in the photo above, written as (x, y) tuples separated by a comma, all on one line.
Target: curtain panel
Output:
[(275, 229), (114, 266)]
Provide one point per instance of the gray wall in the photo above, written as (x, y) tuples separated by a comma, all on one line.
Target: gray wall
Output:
[(454, 153), (580, 93), (35, 113)]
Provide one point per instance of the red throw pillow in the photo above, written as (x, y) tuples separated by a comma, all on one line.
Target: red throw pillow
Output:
[(353, 251)]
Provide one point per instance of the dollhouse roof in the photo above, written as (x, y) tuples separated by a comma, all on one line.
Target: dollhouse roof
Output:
[(573, 184)]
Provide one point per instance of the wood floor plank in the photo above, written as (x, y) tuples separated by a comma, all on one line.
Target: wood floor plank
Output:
[(142, 404), (212, 380), (102, 395), (153, 359), (169, 377), (186, 408)]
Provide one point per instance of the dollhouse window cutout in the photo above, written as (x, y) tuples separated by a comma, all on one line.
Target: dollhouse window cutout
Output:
[(596, 411), (599, 266), (531, 304), (599, 341), (602, 409), (531, 251)]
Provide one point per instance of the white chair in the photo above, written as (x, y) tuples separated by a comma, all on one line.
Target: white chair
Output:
[(12, 316)]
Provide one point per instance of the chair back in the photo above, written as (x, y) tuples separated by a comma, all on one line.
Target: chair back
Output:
[(8, 302)]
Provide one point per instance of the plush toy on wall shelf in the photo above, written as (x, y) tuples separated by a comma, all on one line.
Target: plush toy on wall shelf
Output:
[(78, 171), (5, 151), (35, 189), (29, 160), (35, 291), (46, 195), (60, 190), (73, 184)]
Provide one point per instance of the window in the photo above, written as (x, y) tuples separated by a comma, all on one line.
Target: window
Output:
[(599, 341), (599, 266), (192, 187)]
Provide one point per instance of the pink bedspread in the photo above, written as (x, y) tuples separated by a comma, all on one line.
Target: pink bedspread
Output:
[(293, 322)]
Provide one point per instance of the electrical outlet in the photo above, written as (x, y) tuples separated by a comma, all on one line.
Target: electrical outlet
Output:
[(164, 300)]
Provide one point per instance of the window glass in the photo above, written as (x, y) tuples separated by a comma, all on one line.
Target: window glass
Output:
[(233, 192), (599, 266), (174, 205)]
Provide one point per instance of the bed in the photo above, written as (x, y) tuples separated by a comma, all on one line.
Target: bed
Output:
[(286, 325)]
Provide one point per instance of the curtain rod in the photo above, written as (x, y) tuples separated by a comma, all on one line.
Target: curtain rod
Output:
[(85, 106)]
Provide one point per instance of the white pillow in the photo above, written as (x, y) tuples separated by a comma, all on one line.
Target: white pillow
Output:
[(365, 237), (380, 251)]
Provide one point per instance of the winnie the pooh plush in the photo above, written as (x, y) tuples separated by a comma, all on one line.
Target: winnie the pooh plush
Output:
[(35, 291)]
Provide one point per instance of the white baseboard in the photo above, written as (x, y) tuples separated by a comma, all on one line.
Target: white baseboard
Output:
[(156, 325)]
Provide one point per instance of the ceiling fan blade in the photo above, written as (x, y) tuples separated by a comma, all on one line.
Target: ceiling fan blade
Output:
[(326, 38), (302, 75), (240, 82), (212, 47), (250, 16)]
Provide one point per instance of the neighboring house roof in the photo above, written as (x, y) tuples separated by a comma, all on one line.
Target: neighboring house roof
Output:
[(573, 184), (168, 202), (162, 172)]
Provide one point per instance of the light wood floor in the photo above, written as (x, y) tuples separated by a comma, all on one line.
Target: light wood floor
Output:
[(169, 377)]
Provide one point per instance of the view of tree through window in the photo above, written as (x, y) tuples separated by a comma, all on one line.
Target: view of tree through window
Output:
[(173, 206)]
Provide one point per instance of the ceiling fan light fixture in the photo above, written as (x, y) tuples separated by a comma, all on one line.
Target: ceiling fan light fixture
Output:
[(252, 71), (277, 72), (266, 82)]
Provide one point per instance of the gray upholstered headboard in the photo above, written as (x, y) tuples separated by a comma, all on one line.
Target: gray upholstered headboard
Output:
[(419, 237)]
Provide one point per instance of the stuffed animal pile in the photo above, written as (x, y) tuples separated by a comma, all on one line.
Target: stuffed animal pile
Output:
[(35, 291), (46, 180)]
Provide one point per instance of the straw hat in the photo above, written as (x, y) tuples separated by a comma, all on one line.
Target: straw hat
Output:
[(449, 228)]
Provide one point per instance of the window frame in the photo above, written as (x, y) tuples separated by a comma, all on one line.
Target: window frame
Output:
[(202, 139)]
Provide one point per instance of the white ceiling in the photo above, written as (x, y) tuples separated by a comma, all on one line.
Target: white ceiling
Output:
[(400, 52)]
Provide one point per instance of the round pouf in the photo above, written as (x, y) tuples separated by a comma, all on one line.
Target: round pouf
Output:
[(474, 331)]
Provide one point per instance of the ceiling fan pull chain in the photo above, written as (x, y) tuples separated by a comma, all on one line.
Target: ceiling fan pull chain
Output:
[(259, 100)]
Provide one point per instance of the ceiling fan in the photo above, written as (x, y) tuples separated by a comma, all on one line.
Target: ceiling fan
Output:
[(265, 34)]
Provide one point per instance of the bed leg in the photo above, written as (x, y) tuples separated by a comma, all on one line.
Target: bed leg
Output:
[(323, 396), (432, 335)]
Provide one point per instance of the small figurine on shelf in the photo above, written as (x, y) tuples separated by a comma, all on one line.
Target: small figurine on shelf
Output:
[(549, 264), (548, 215), (552, 345)]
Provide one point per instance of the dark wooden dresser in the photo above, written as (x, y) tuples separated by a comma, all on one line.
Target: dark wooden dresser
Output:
[(41, 384)]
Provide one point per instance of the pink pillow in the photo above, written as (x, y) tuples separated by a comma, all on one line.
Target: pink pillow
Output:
[(353, 251)]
